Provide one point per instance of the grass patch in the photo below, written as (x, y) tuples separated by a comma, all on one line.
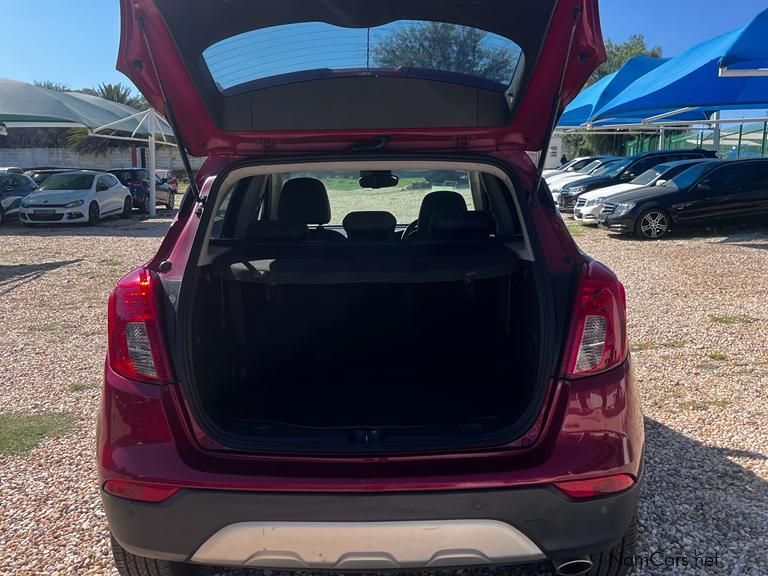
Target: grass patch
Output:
[(576, 229), (731, 319), (717, 356), (83, 386), (48, 328), (707, 366), (642, 346), (703, 405), (21, 433)]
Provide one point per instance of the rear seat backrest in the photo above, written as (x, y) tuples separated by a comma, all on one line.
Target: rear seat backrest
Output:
[(467, 226), (305, 200)]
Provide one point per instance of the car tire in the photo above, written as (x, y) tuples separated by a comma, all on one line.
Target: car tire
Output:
[(94, 214), (614, 562), (145, 205), (127, 207), (653, 224), (128, 564), (171, 204)]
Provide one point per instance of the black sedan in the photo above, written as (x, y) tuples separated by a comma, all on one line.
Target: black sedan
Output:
[(624, 171), (713, 193)]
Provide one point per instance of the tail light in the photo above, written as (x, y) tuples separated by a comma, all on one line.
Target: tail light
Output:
[(139, 491), (594, 487), (134, 183), (136, 345), (598, 337)]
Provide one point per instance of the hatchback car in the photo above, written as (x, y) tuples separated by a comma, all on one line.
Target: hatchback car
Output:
[(333, 362), (76, 198), (710, 194), (13, 189), (625, 171), (589, 205), (169, 177), (137, 181)]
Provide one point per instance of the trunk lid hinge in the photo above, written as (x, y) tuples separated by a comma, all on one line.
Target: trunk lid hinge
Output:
[(555, 113), (172, 122)]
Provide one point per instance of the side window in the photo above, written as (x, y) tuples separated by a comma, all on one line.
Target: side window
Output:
[(639, 167), (6, 182), (217, 231), (19, 181), (754, 177), (102, 184), (726, 180), (142, 174)]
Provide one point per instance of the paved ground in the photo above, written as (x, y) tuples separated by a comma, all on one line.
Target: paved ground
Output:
[(698, 322)]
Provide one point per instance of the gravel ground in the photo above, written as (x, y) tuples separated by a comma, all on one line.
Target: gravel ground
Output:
[(703, 381)]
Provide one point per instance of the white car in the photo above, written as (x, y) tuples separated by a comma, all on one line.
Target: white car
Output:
[(589, 205), (77, 197), (557, 182), (572, 166)]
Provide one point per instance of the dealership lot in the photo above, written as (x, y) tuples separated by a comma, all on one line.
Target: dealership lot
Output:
[(697, 320)]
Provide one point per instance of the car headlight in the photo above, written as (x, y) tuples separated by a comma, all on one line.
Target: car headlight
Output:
[(74, 204), (575, 190), (25, 203), (595, 201), (624, 207)]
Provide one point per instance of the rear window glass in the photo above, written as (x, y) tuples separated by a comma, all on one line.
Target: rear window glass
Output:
[(403, 201), (308, 50)]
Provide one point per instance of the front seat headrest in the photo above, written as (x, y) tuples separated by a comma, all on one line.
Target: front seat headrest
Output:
[(304, 200), (371, 225), (439, 202)]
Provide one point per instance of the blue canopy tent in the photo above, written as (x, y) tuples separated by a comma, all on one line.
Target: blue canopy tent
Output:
[(581, 111), (687, 83), (748, 54)]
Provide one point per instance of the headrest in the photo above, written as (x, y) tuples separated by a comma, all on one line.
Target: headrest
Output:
[(466, 226), (439, 202), (369, 225), (276, 231), (304, 200)]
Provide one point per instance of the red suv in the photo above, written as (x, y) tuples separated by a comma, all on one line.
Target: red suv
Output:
[(368, 340)]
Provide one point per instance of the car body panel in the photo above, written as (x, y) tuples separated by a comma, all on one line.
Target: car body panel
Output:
[(14, 188), (545, 29)]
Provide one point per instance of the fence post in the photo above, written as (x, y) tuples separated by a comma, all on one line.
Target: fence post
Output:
[(762, 143), (741, 134)]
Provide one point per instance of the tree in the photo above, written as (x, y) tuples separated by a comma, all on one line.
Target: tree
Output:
[(617, 56), (440, 46), (51, 85)]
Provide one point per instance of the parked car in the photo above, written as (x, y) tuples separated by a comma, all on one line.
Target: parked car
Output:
[(713, 193), (13, 189), (311, 374), (169, 177), (597, 168), (137, 181), (572, 166), (627, 171), (11, 170), (589, 205), (579, 173), (39, 175), (77, 197)]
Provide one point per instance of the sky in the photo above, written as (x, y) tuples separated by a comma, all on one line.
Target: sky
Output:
[(75, 41)]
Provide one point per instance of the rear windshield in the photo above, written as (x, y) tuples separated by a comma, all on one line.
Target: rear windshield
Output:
[(309, 50), (403, 200), (126, 176), (68, 182)]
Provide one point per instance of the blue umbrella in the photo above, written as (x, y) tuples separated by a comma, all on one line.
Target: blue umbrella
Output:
[(690, 80)]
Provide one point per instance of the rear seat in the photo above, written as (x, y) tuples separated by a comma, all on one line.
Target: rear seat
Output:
[(461, 226), (370, 226)]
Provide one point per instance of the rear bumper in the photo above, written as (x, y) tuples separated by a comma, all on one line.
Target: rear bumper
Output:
[(370, 531)]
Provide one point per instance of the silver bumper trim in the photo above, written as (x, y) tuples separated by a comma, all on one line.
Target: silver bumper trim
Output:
[(367, 545)]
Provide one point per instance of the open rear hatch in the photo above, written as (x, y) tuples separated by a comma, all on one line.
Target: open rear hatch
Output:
[(258, 76)]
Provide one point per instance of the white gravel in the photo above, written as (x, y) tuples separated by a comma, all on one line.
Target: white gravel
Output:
[(706, 490)]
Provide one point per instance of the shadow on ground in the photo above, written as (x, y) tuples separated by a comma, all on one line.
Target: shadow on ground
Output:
[(114, 227), (14, 276), (696, 502)]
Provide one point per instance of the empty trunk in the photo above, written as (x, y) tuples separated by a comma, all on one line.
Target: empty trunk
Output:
[(366, 365)]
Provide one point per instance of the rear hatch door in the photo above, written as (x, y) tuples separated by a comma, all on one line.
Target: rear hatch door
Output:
[(259, 76)]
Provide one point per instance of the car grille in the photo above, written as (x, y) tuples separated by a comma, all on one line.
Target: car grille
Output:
[(45, 217), (580, 203), (608, 209), (567, 202)]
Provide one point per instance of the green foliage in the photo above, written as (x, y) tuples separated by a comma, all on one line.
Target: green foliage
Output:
[(51, 85), (617, 56), (441, 46)]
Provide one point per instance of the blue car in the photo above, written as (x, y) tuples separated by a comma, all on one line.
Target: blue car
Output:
[(13, 189), (137, 181)]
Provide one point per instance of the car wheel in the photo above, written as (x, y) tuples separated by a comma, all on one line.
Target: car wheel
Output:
[(652, 224), (145, 205), (614, 562), (127, 207), (171, 204), (128, 564), (93, 214)]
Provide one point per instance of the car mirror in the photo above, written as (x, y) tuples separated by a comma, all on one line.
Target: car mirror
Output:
[(628, 176), (378, 179), (8, 189), (705, 186), (661, 182)]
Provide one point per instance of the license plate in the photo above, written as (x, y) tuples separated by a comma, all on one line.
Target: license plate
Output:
[(45, 212)]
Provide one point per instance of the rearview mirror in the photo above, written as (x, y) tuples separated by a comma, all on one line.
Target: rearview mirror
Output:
[(378, 179), (660, 182)]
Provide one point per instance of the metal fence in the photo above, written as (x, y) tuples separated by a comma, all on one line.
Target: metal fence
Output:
[(736, 141)]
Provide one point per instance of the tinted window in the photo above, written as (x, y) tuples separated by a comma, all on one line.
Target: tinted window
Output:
[(755, 177), (282, 54), (612, 169), (68, 182), (580, 164), (645, 164), (726, 180), (649, 176), (690, 176)]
